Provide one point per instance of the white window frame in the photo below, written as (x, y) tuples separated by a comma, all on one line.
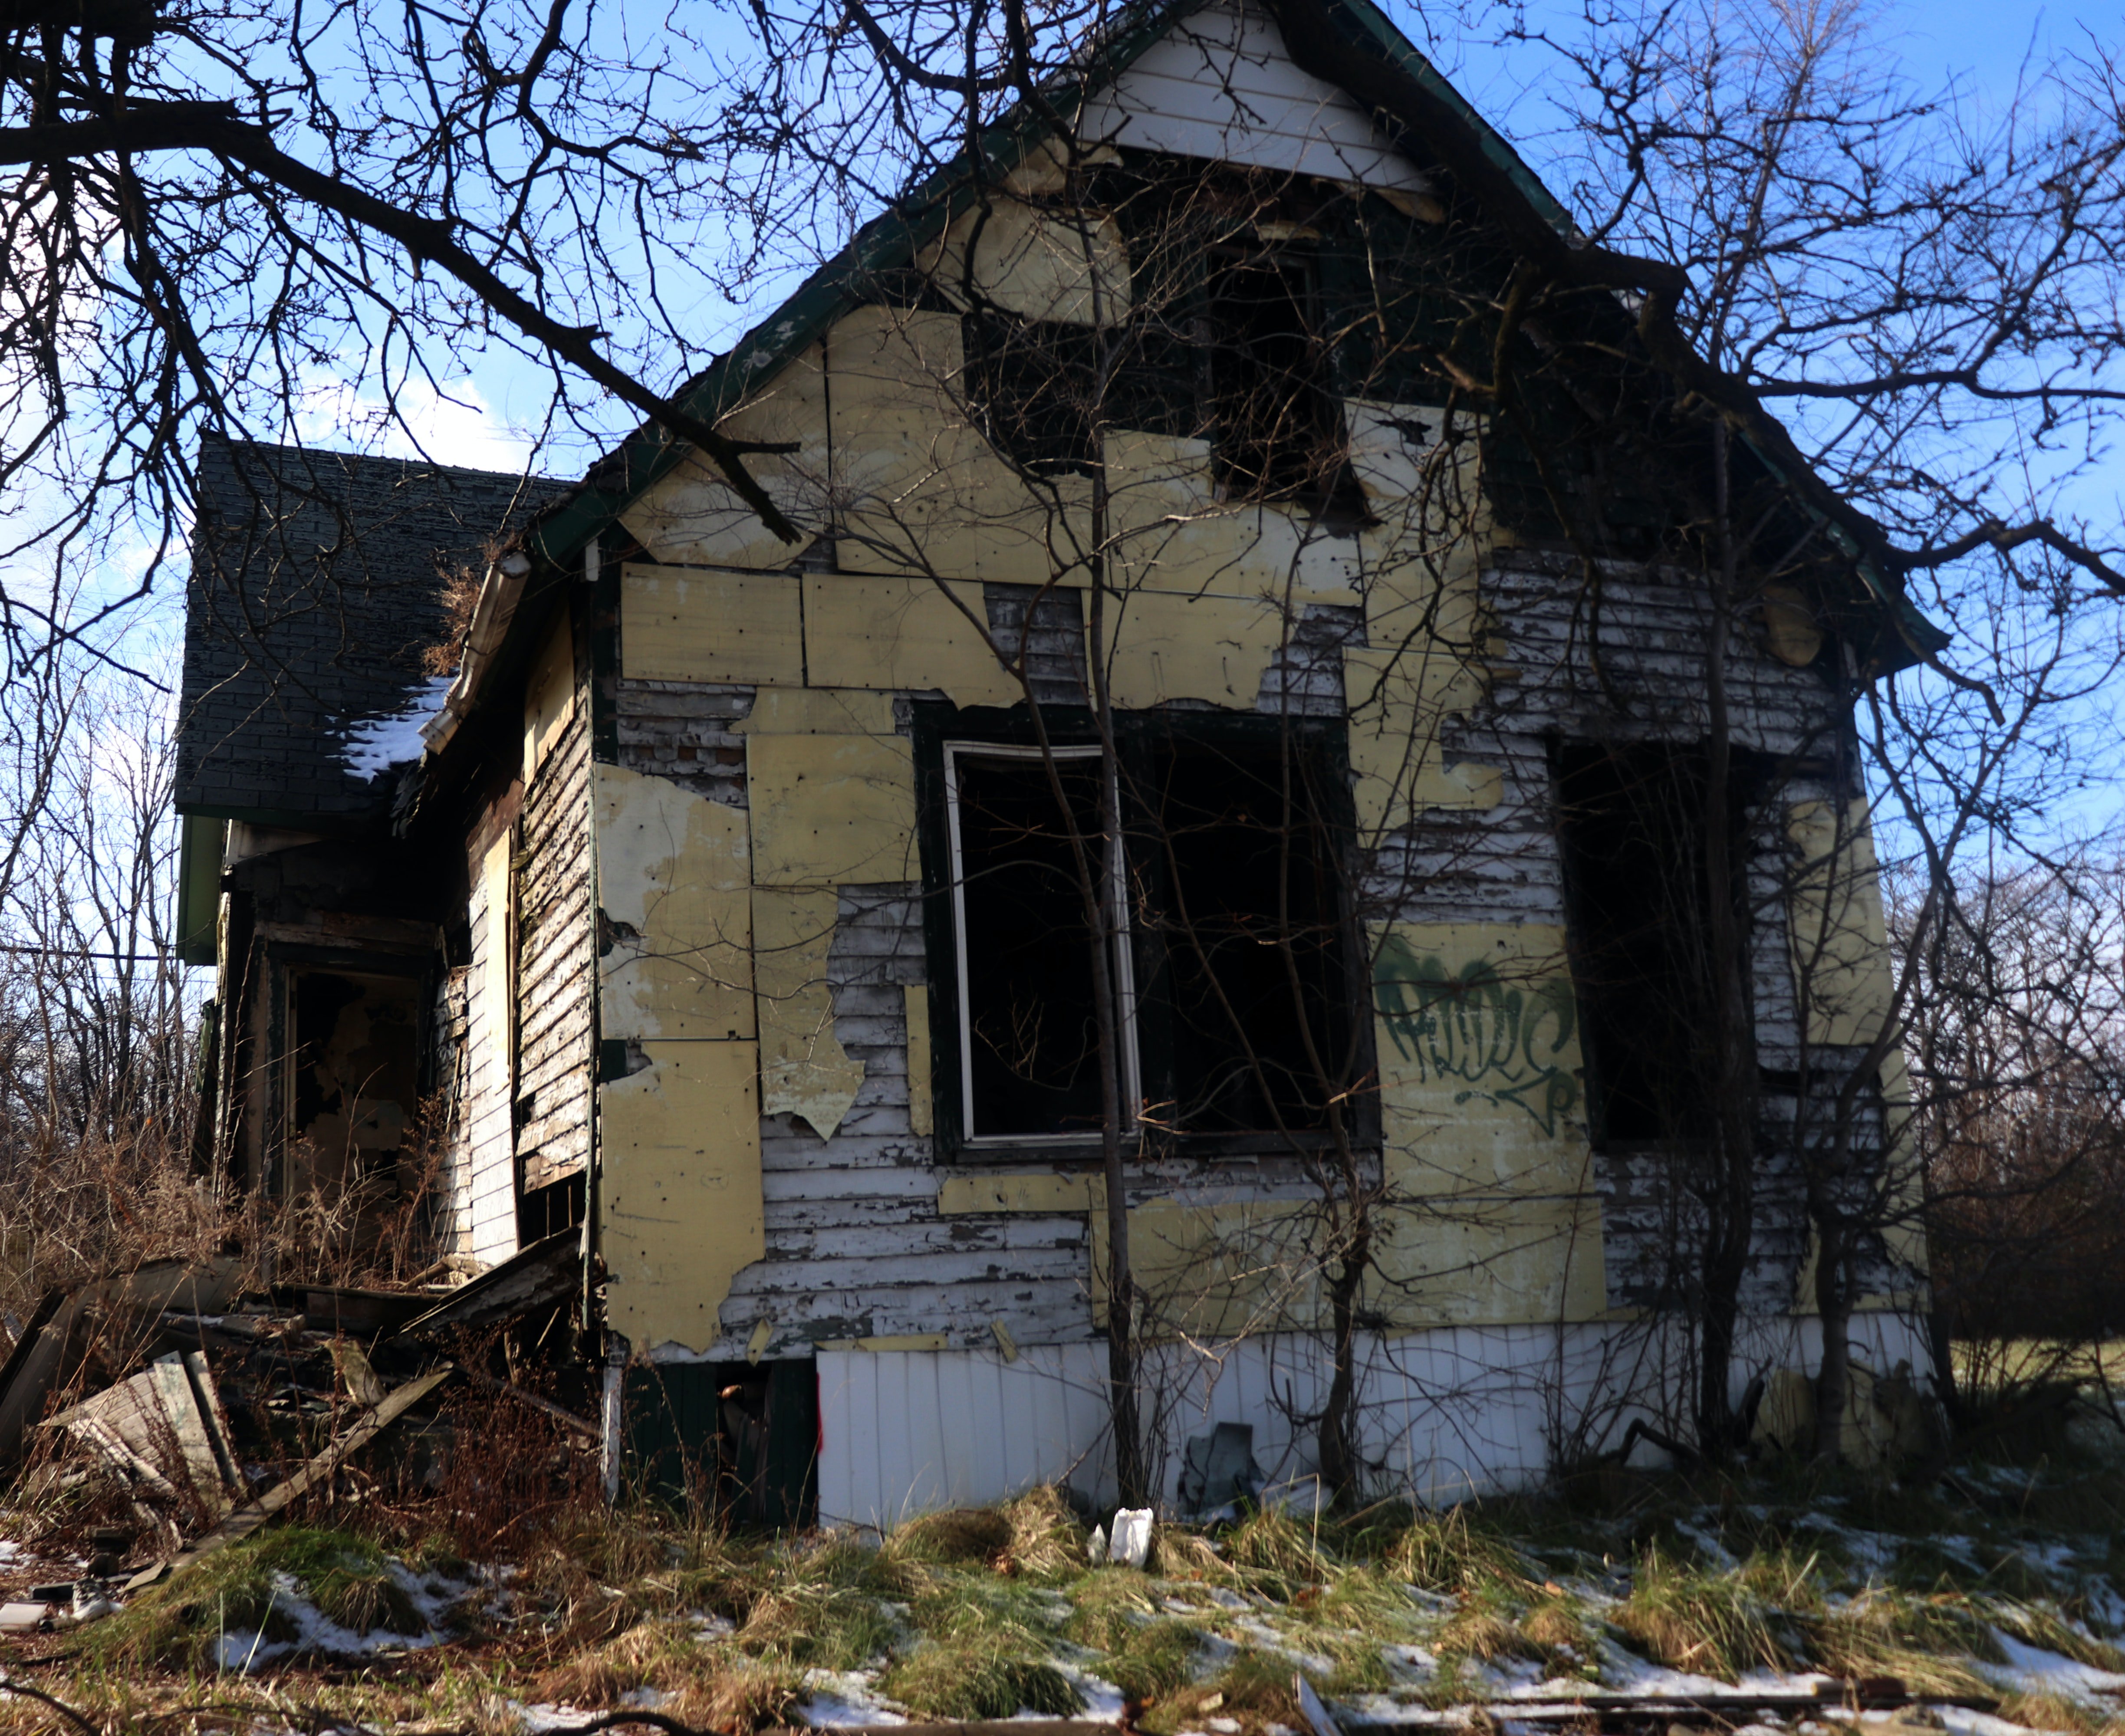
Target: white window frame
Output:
[(1121, 965)]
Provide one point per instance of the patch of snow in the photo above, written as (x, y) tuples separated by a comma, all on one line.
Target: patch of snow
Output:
[(1410, 1665), (2034, 1670), (375, 745), (316, 1635), (1961, 1721), (844, 1698), (1709, 1545), (1627, 1673), (1383, 1709), (1103, 1699)]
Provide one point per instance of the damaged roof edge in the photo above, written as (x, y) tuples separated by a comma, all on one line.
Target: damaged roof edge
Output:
[(501, 589), (559, 537)]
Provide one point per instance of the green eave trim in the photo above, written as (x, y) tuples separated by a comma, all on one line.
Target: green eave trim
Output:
[(1376, 29)]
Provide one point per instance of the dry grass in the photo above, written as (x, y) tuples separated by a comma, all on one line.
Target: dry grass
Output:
[(1709, 1624)]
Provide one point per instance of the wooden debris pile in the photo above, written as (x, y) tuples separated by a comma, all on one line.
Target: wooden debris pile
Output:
[(210, 1412)]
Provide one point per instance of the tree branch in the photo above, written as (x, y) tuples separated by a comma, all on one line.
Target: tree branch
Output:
[(212, 126)]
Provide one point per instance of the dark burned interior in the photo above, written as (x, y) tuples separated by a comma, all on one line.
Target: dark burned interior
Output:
[(1231, 900), (1631, 821)]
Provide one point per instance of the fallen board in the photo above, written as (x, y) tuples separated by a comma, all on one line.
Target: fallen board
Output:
[(1594, 1708), (542, 1275), (249, 1517)]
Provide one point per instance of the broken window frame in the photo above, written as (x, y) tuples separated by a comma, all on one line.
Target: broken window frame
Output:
[(1117, 915), (1148, 1042)]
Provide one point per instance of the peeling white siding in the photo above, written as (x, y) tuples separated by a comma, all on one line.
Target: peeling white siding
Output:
[(1223, 85)]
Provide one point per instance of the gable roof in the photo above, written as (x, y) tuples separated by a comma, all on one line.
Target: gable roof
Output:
[(317, 583), (1349, 44)]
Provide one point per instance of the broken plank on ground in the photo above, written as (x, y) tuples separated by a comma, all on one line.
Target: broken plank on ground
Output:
[(250, 1517)]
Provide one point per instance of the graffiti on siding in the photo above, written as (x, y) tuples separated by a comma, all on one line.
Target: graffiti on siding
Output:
[(1497, 1040)]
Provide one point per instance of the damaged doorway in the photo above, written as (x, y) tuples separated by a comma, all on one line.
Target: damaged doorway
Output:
[(352, 1090)]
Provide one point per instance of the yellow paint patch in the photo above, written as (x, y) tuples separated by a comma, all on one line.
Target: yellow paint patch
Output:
[(1841, 948), (693, 515), (1791, 632), (672, 878), (1473, 1261), (925, 491), (549, 694), (1477, 1031), (832, 802), (1431, 517), (804, 1069), (1399, 701), (1072, 269), (1169, 531), (684, 624), (908, 634), (811, 711), (1059, 1195), (1905, 1239), (680, 1207), (891, 1342), (1217, 1269), (921, 1121), (1166, 647), (1485, 1150)]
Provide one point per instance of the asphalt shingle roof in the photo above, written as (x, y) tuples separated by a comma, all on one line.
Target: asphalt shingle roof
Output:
[(317, 583)]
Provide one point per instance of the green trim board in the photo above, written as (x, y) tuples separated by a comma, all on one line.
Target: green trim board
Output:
[(200, 838)]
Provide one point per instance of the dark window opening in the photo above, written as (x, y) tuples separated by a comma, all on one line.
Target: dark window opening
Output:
[(1028, 1020), (1248, 922), (1030, 386), (1633, 825), (1276, 429), (1230, 979), (547, 1210)]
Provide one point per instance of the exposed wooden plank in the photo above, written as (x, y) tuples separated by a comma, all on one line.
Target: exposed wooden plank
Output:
[(269, 1506)]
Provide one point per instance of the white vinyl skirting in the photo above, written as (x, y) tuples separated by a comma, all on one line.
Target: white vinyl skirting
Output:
[(1444, 1414)]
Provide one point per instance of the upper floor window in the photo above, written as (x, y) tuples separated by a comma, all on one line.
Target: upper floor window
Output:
[(1275, 429)]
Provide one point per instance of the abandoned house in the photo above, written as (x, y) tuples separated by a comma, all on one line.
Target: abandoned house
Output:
[(1196, 711)]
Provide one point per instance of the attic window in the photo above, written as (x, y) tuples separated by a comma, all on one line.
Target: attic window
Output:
[(1275, 426), (1228, 963), (1632, 831)]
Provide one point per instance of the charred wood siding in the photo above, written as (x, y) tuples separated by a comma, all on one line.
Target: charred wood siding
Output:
[(555, 961), (856, 1246), (1623, 660)]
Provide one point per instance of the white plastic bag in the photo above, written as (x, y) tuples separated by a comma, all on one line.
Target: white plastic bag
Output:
[(1130, 1541)]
